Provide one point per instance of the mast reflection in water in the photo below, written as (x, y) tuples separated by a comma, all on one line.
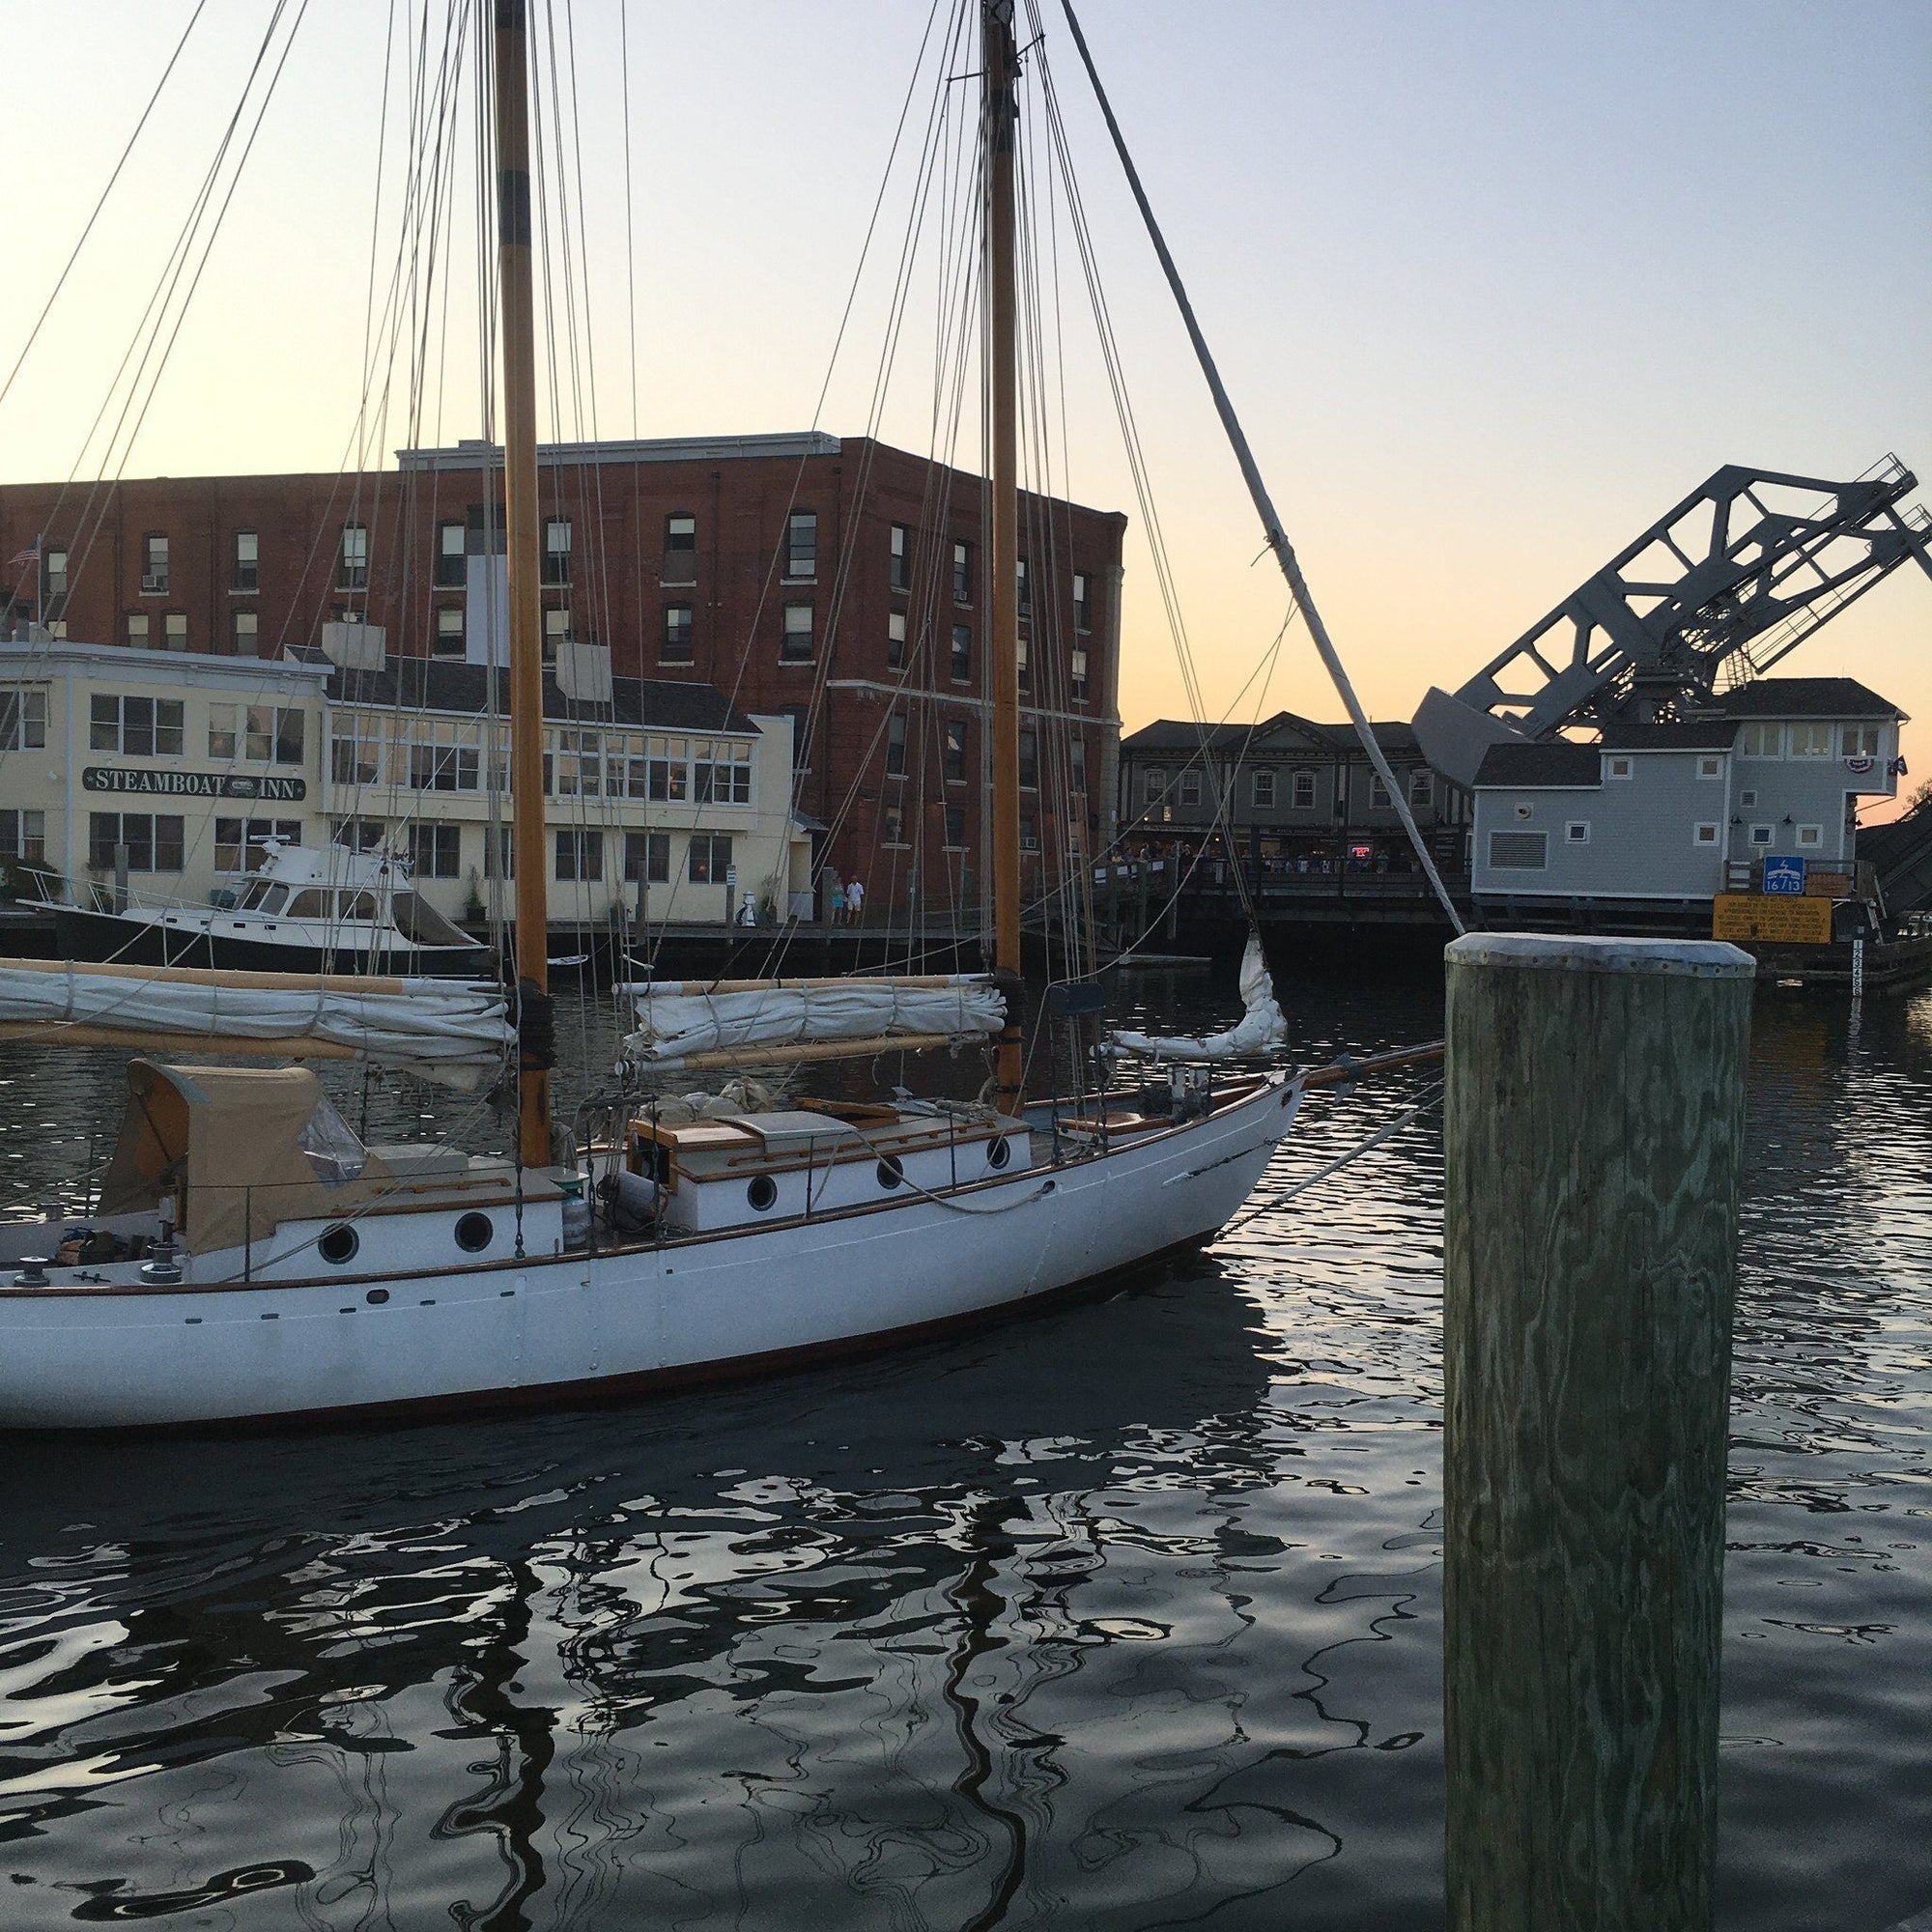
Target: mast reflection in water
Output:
[(1122, 1616)]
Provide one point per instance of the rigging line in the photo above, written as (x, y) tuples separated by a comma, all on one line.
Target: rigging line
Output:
[(152, 313), (46, 307), (1272, 524)]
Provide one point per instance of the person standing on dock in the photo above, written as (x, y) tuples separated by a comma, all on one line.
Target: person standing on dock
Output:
[(855, 900)]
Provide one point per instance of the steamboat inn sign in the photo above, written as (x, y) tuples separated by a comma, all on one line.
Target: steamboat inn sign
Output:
[(194, 784)]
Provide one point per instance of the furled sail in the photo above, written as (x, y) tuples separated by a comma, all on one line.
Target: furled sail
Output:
[(451, 1032), (1260, 1028), (679, 1019)]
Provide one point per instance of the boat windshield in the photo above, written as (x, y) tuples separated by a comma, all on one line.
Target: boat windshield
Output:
[(263, 896), (331, 1146)]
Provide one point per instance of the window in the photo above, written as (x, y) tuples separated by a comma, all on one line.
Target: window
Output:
[(802, 544), (1860, 741), (499, 852), (23, 836), (1083, 600), (667, 769), (1577, 832), (1620, 768), (647, 858), (1302, 796), (240, 844), (795, 646), (901, 573), (1704, 835), (445, 767), (1153, 785), (680, 550), (1710, 765), (352, 563), (576, 770), (448, 641), (53, 574), (245, 573), (1761, 740), (1761, 835), (676, 647), (556, 567), (357, 835), (721, 774), (1810, 739), (137, 628), (1518, 851), (435, 851), (452, 562), (1810, 837), (268, 734), (1379, 795), (1023, 659), (952, 759), (896, 641), (355, 748), (1262, 788), (962, 654), (710, 859), (1190, 786), (801, 735), (962, 571), (174, 631), (1028, 758), (1025, 587), (1077, 681), (895, 744), (556, 630), (137, 728), (23, 721), (955, 827), (155, 564), (154, 843), (248, 633), (1076, 758), (579, 853), (1029, 832), (1422, 789), (892, 825)]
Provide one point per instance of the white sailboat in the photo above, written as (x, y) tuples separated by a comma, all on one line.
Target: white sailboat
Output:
[(250, 1258)]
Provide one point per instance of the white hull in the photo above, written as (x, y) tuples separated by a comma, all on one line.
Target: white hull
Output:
[(710, 1306)]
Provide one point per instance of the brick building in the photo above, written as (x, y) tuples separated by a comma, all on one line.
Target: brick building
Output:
[(840, 582)]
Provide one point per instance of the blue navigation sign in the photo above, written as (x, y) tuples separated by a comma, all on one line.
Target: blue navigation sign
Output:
[(1784, 875)]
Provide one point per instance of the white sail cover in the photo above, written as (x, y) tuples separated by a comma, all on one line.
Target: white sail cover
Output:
[(680, 1018), (448, 1031), (1260, 1028)]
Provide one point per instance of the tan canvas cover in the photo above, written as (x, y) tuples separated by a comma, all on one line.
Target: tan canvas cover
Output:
[(224, 1141)]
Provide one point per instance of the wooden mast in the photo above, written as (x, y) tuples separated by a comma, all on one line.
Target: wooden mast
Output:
[(1001, 69), (520, 484)]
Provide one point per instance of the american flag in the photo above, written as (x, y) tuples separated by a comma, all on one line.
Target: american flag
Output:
[(28, 556)]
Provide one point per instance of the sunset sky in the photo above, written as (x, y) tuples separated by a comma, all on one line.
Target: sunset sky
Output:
[(1492, 284)]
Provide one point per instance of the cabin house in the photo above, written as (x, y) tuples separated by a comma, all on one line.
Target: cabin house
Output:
[(1675, 813)]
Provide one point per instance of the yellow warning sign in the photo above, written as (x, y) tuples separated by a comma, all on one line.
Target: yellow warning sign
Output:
[(1776, 920)]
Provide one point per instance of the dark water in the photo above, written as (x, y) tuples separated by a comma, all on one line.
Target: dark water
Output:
[(1124, 1616)]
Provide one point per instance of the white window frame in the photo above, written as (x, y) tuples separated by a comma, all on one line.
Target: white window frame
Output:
[(1303, 781), (1422, 789), (1860, 741), (1706, 837), (1810, 738), (1760, 837), (1619, 765), (1261, 785), (1577, 832), (1809, 837), (1710, 765), (1190, 785), (1755, 728)]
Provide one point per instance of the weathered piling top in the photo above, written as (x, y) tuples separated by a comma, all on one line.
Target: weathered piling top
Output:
[(1581, 952)]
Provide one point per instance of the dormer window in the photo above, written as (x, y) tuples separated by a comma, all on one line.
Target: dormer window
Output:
[(1620, 765)]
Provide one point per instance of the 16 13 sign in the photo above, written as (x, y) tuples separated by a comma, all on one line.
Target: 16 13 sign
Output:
[(193, 784)]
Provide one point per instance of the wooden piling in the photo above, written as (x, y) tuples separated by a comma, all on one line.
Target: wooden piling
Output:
[(1593, 1128)]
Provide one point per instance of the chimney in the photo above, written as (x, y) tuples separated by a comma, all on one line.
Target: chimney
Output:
[(583, 671), (354, 646)]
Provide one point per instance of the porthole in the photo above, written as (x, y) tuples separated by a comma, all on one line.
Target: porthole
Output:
[(891, 1172), (339, 1243), (474, 1233), (377, 1297), (762, 1192), (998, 1152)]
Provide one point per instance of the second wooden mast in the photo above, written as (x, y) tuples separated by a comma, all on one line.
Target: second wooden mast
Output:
[(520, 488), (1001, 65)]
